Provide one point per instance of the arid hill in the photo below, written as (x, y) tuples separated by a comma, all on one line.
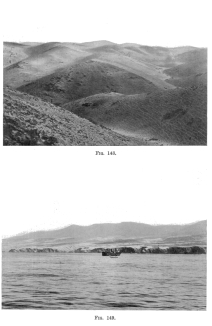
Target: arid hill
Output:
[(85, 79), (175, 117), (30, 121), (154, 95)]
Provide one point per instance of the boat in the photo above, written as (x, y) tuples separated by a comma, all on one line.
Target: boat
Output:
[(113, 253)]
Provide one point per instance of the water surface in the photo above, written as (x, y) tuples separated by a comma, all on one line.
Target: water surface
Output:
[(90, 281)]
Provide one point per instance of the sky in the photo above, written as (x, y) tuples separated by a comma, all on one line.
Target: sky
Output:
[(47, 188), (152, 22)]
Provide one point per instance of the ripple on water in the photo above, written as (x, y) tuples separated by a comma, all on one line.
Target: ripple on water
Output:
[(90, 281)]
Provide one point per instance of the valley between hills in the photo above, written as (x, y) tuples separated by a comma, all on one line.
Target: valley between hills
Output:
[(102, 93)]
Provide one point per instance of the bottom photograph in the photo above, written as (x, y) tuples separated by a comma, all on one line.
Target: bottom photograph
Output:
[(107, 266)]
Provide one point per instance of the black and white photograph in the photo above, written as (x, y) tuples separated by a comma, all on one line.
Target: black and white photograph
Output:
[(109, 266), (104, 93), (105, 163)]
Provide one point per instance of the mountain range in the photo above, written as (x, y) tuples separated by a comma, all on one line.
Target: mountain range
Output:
[(112, 235), (115, 94)]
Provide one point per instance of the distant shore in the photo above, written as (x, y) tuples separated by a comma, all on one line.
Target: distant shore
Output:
[(131, 250)]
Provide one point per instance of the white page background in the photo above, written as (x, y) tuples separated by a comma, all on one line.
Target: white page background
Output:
[(41, 184)]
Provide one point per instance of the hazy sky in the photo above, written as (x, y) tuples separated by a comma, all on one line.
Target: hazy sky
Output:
[(47, 188), (149, 22)]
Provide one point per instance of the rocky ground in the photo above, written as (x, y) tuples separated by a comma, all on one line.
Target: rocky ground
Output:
[(30, 121)]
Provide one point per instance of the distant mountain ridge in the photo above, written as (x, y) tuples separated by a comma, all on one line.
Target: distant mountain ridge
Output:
[(110, 234)]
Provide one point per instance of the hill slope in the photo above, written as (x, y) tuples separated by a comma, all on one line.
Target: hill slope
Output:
[(163, 67), (30, 121), (109, 234), (36, 61), (154, 95), (176, 117), (13, 53), (38, 64), (191, 70), (87, 78)]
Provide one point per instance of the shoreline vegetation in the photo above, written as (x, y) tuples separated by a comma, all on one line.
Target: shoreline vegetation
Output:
[(127, 250)]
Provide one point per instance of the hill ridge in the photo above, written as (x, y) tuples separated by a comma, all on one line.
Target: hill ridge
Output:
[(111, 234), (164, 90)]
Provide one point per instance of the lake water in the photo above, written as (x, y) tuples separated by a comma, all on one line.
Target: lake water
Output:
[(91, 281)]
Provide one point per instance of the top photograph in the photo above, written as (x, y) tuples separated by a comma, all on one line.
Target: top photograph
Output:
[(102, 93)]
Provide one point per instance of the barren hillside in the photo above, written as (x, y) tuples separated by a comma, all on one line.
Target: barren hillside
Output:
[(87, 78), (30, 121), (153, 95), (175, 117)]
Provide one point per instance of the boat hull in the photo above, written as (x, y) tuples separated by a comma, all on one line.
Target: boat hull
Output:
[(111, 254)]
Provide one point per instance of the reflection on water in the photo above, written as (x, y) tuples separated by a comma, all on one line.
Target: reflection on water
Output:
[(90, 281)]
